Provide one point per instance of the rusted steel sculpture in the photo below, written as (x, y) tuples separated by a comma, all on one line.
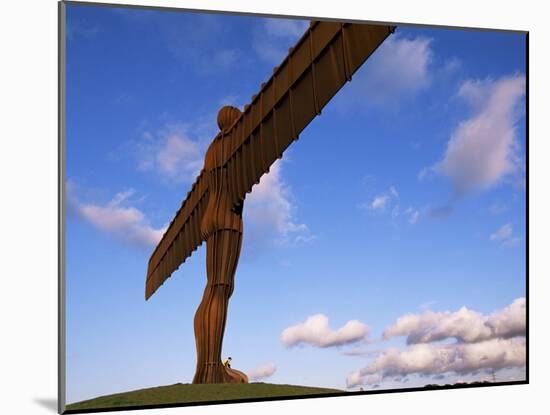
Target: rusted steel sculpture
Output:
[(247, 145)]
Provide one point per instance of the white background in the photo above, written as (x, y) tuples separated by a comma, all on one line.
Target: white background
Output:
[(28, 151)]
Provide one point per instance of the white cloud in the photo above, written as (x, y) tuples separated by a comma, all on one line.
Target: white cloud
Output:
[(484, 148), (451, 66), (171, 153), (355, 379), (424, 173), (268, 212), (511, 321), (315, 331), (504, 232), (262, 372), (379, 202), (505, 236), (400, 68), (414, 217), (390, 199), (464, 325), (434, 359), (178, 153), (116, 217), (412, 214), (305, 238)]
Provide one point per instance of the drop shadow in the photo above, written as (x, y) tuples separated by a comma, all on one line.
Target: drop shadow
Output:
[(48, 403)]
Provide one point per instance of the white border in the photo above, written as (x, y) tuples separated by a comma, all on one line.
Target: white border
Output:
[(29, 204)]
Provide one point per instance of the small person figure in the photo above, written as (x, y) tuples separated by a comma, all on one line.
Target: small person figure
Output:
[(227, 362)]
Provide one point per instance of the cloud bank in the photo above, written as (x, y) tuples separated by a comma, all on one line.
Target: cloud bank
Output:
[(495, 341), (315, 331), (464, 325), (429, 359)]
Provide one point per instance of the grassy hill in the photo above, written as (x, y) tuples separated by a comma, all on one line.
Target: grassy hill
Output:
[(189, 393)]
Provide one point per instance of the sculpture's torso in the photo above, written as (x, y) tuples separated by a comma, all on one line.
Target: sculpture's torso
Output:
[(219, 213)]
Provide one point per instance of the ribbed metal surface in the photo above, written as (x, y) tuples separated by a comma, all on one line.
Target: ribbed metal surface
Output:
[(315, 69)]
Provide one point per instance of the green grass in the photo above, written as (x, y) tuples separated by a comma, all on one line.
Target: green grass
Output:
[(189, 393)]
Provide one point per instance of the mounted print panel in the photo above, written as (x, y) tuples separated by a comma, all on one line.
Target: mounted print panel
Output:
[(266, 208)]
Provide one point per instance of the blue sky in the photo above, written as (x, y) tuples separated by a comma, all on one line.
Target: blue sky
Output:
[(371, 263)]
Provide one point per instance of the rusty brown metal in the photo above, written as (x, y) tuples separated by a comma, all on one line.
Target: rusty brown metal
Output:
[(249, 142)]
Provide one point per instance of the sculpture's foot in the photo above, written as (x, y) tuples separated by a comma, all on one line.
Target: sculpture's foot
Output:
[(236, 376), (219, 374)]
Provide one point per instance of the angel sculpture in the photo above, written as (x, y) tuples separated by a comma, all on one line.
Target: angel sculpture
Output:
[(248, 143)]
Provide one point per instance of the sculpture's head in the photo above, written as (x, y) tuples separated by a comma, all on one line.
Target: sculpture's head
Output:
[(227, 116)]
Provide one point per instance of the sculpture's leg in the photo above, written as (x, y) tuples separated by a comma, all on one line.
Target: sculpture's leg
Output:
[(222, 255)]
